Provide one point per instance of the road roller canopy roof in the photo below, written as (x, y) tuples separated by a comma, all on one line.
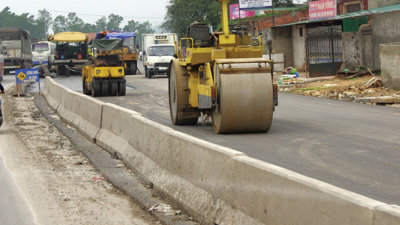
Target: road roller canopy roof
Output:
[(108, 45), (115, 35), (70, 37)]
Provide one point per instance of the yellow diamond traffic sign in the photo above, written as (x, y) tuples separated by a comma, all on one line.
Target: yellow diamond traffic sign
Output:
[(21, 76)]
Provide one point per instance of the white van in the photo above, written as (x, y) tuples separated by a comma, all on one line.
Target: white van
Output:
[(42, 52)]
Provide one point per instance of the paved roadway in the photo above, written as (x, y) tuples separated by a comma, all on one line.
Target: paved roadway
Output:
[(349, 145)]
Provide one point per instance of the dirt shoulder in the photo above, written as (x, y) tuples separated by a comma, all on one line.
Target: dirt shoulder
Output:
[(59, 183), (366, 89)]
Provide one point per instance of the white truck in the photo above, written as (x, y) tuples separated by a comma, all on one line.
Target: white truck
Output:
[(158, 51)]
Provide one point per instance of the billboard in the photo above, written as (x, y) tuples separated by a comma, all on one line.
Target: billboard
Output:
[(322, 9), (255, 4), (234, 12)]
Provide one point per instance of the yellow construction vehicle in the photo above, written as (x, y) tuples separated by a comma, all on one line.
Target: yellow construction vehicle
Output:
[(104, 75), (222, 75)]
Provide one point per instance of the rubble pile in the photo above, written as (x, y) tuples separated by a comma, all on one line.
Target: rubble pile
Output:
[(364, 89)]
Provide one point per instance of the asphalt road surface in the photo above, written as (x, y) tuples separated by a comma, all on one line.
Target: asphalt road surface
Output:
[(349, 145)]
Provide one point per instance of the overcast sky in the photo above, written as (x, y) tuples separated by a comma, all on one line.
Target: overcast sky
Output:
[(92, 10)]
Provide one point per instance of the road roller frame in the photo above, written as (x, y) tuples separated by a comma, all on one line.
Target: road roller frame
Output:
[(224, 77), (104, 76)]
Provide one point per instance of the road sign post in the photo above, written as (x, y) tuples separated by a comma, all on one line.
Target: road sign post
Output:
[(26, 76)]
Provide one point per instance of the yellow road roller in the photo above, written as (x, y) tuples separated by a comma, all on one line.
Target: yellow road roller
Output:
[(222, 75), (104, 75)]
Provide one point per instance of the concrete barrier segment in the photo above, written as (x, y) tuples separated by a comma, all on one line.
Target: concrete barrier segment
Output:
[(82, 111), (205, 166), (387, 215), (115, 128), (274, 195), (52, 93)]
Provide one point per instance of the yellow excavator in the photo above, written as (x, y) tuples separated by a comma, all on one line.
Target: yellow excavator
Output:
[(222, 75)]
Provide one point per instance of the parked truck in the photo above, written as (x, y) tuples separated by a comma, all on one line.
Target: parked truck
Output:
[(17, 43), (158, 51)]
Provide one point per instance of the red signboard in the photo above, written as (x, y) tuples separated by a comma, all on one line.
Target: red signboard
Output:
[(234, 12), (323, 9)]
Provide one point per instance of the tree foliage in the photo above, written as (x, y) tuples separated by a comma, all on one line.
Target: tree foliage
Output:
[(23, 21), (181, 13), (39, 27), (43, 22)]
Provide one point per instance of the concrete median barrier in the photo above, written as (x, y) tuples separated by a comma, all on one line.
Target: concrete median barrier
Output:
[(387, 215), (217, 185), (52, 92), (82, 111), (115, 128)]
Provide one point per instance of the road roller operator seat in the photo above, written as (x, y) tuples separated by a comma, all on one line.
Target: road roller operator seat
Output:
[(200, 33)]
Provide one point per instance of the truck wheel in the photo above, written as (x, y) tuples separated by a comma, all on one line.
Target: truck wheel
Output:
[(113, 88), (148, 74), (133, 68), (95, 88), (104, 88), (122, 87)]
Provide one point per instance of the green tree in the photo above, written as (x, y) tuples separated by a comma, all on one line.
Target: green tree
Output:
[(181, 13), (23, 21), (101, 23), (43, 22), (74, 23), (114, 22), (60, 24)]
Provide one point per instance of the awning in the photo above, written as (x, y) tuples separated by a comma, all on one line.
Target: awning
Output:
[(71, 37)]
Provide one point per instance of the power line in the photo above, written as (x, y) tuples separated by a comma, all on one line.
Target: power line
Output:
[(95, 15)]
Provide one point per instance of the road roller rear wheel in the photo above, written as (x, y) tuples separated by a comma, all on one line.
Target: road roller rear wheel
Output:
[(179, 96), (244, 102), (122, 87), (104, 87), (113, 88), (95, 88)]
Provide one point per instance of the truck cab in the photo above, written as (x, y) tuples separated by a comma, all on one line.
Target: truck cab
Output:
[(157, 59), (158, 51), (43, 52)]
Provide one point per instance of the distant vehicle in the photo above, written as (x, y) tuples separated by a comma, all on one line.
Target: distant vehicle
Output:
[(158, 51), (43, 52), (128, 56), (71, 53), (18, 45)]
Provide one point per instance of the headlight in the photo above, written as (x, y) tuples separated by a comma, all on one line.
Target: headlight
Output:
[(98, 71), (149, 64)]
